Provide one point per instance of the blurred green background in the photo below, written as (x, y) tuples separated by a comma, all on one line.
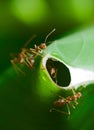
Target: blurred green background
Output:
[(20, 19)]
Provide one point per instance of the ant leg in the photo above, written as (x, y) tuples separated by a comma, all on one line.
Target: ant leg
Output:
[(35, 53), (76, 102), (61, 97), (31, 38), (16, 67), (74, 93), (72, 105), (73, 90), (62, 112), (32, 50), (27, 62), (57, 110), (68, 108)]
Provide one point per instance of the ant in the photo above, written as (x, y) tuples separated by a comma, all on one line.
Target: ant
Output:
[(27, 56), (23, 57), (67, 101), (38, 49)]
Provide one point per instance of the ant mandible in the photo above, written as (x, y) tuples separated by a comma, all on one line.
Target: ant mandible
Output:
[(66, 101)]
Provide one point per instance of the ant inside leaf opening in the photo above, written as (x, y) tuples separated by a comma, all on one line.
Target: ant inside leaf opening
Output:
[(58, 72)]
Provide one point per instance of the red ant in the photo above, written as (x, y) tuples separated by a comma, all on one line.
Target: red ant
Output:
[(67, 101), (27, 55), (23, 57), (38, 49)]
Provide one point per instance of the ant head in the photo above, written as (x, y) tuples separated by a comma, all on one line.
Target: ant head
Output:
[(79, 94), (42, 46)]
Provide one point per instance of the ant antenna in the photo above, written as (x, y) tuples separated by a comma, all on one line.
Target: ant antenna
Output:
[(73, 90), (31, 38), (49, 34)]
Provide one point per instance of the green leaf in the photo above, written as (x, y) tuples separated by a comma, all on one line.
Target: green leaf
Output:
[(26, 101), (75, 49)]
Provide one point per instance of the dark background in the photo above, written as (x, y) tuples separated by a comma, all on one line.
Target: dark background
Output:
[(20, 19)]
